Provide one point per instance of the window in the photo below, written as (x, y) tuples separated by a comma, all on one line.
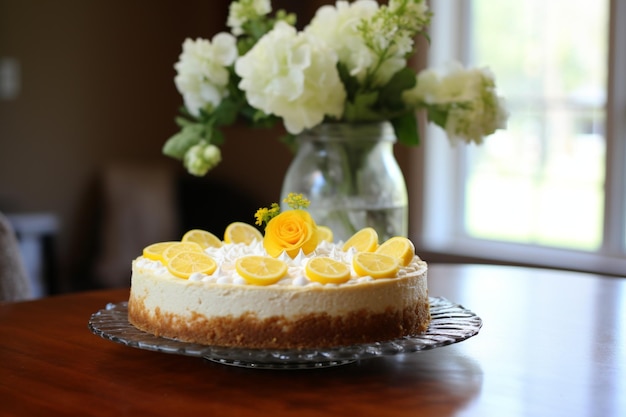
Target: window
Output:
[(550, 189)]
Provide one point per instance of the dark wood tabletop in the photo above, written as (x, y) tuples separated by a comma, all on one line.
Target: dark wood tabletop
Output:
[(553, 343)]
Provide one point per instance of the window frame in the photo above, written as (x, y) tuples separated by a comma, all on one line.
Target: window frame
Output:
[(438, 222)]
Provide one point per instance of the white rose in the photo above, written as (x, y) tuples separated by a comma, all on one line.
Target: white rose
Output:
[(293, 76), (202, 76)]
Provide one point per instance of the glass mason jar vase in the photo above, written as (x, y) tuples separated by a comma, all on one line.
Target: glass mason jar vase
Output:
[(349, 173)]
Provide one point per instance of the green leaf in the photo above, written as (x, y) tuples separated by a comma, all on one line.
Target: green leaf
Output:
[(257, 27), (217, 137), (290, 141), (437, 116), (258, 118), (183, 110), (391, 93), (225, 113), (361, 108), (249, 113), (183, 121), (350, 83), (185, 118), (406, 129), (177, 145), (244, 44)]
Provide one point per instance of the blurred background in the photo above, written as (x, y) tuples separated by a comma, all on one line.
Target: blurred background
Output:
[(87, 100)]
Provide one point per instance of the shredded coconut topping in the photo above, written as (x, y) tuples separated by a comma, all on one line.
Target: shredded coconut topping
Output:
[(227, 255)]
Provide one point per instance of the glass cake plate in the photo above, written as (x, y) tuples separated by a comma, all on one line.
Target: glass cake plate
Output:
[(450, 323)]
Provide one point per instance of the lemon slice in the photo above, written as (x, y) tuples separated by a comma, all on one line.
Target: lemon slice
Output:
[(185, 263), (365, 240), (261, 270), (239, 232), (203, 238), (177, 247), (155, 251), (375, 265), (327, 270), (325, 233), (398, 247)]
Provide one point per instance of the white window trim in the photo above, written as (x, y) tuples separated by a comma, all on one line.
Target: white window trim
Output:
[(438, 224)]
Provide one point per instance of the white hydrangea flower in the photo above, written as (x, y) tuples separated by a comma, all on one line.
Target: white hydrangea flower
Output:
[(241, 11), (468, 97), (338, 26), (202, 77), (293, 76)]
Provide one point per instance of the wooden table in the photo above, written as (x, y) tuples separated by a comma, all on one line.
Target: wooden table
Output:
[(552, 344)]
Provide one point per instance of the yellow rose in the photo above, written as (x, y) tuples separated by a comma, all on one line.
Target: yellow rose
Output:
[(291, 231)]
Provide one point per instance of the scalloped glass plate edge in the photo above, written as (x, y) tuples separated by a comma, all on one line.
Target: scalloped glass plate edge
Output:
[(450, 323)]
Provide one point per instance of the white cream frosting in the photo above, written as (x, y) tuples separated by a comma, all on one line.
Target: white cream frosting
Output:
[(227, 255)]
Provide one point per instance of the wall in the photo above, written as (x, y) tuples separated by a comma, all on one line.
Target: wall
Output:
[(97, 88)]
